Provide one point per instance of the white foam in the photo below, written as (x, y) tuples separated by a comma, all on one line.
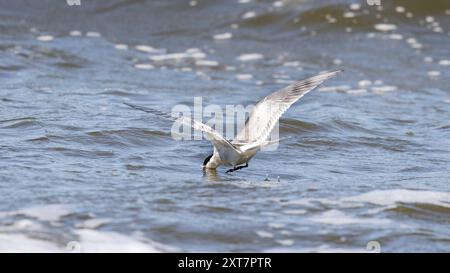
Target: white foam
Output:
[(193, 50), (378, 82), (428, 59), (285, 242), (198, 55), (434, 73), (244, 77), (348, 14), (320, 249), (337, 217), (395, 36), (417, 46), (23, 224), (101, 242), (178, 56), (429, 19), (411, 41), (330, 19), (384, 89), (223, 36), (364, 83), (121, 46), (264, 234), (355, 6), (93, 34), (89, 241), (356, 91), (392, 197), (206, 63), (278, 4), (339, 88), (385, 27), (75, 33), (285, 82), (294, 211), (250, 57), (276, 225), (45, 38), (286, 232), (146, 48), (93, 223), (444, 62), (12, 238), (248, 15), (337, 61), (292, 64), (144, 66), (400, 9), (19, 243), (48, 213)]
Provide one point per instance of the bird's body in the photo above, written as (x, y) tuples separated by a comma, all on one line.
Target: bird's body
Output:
[(260, 123), (229, 159)]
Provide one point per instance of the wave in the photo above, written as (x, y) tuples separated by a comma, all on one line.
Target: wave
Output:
[(24, 234), (393, 197), (25, 122), (126, 137), (288, 126), (394, 200)]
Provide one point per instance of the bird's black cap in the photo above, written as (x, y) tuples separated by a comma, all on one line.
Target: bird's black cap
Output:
[(207, 160)]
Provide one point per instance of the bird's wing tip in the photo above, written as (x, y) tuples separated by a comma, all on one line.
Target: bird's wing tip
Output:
[(337, 71), (332, 73)]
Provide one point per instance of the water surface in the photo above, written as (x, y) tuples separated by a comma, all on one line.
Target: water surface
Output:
[(367, 158)]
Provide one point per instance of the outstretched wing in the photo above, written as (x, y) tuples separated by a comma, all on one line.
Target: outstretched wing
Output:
[(268, 111), (219, 142)]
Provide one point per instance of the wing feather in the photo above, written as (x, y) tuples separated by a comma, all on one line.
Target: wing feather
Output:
[(221, 144), (268, 111)]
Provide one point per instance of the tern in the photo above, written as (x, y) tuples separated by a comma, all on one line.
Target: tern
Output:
[(258, 126)]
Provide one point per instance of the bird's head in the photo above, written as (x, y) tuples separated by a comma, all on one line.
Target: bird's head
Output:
[(207, 160)]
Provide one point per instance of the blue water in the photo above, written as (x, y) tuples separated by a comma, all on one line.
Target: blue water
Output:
[(367, 158)]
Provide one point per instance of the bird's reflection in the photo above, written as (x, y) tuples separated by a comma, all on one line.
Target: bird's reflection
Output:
[(211, 174)]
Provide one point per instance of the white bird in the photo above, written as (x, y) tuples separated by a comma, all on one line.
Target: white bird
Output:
[(258, 126)]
